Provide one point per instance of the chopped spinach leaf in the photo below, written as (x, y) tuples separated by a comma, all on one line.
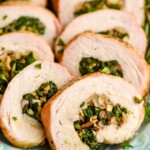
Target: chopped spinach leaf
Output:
[(61, 42), (2, 48), (147, 111), (90, 65), (32, 103), (14, 118), (4, 17), (126, 144), (38, 66)]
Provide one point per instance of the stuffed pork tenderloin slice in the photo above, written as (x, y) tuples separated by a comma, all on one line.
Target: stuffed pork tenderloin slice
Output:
[(24, 98), (91, 110), (18, 50), (29, 18), (110, 22), (90, 52), (80, 7), (35, 2)]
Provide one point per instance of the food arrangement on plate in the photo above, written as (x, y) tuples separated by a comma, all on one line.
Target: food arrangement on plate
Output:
[(76, 77)]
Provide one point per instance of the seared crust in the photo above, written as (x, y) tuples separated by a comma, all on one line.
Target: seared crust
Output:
[(56, 5), (48, 119), (128, 49)]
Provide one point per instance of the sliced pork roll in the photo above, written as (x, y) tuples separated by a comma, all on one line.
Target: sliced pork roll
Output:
[(24, 98), (114, 23), (92, 110), (18, 50), (90, 52), (37, 2), (79, 7), (29, 18)]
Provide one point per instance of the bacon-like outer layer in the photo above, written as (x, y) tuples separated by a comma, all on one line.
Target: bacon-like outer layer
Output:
[(52, 25), (104, 20), (134, 67), (65, 9), (27, 132), (59, 114)]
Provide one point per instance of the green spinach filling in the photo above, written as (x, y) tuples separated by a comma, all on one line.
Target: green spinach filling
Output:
[(93, 5), (61, 44), (32, 103), (147, 30), (11, 64), (24, 23), (96, 113), (90, 65), (116, 32)]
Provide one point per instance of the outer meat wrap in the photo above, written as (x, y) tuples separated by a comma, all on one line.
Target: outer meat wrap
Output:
[(65, 9), (101, 21), (59, 114), (25, 131), (135, 69)]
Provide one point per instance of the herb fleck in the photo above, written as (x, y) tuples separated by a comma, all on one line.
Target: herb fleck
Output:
[(137, 100), (126, 144), (147, 111), (4, 17), (2, 48), (14, 118), (38, 66), (61, 42), (82, 104)]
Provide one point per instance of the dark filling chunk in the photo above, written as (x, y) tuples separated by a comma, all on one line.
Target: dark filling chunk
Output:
[(95, 113), (24, 23), (32, 103), (91, 6), (11, 64), (91, 65), (2, 1), (61, 44)]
